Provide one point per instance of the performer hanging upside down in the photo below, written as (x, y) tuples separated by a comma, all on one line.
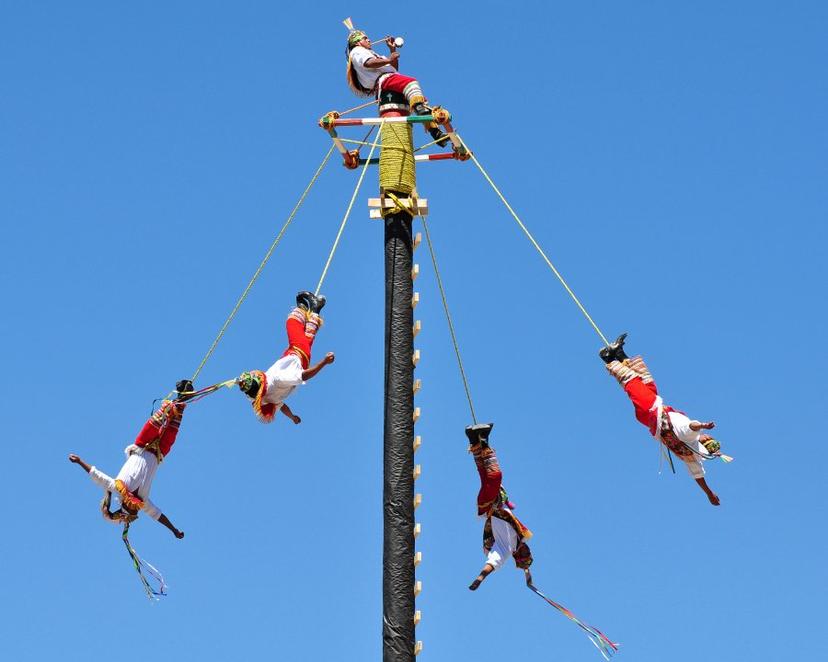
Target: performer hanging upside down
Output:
[(134, 480), (370, 74), (268, 390), (669, 426), (504, 535)]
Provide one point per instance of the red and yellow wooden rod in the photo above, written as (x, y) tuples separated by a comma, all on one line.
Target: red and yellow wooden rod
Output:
[(331, 120)]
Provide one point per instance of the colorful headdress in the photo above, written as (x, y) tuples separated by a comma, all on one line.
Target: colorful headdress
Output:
[(249, 383), (354, 37), (254, 385), (120, 516)]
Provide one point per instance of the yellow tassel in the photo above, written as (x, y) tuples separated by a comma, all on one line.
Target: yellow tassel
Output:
[(348, 23), (726, 458)]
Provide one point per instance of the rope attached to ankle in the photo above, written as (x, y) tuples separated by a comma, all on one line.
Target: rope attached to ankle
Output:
[(448, 318), (535, 243), (262, 264)]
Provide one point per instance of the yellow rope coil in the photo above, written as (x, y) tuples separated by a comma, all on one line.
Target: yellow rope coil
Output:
[(396, 165)]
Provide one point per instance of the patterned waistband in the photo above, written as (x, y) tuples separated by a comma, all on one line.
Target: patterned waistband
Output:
[(300, 353), (128, 498)]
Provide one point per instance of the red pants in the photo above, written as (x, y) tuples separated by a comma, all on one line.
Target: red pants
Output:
[(301, 332), (490, 479), (643, 397), (397, 82)]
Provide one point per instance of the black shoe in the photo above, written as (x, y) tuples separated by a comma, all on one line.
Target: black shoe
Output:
[(306, 300), (439, 137), (320, 303), (618, 348), (421, 109), (614, 351), (184, 388), (479, 434)]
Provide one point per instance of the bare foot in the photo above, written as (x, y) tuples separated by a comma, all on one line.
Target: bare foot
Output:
[(713, 498)]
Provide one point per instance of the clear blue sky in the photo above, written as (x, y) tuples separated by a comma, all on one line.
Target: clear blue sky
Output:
[(670, 157)]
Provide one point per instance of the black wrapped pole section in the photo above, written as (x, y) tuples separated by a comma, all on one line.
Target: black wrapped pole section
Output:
[(398, 637)]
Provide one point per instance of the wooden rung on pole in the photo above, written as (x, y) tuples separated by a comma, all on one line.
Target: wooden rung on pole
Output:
[(418, 384), (416, 357), (418, 558), (415, 271), (418, 239), (418, 647), (416, 414), (388, 203), (415, 299), (417, 618), (418, 470), (376, 212), (418, 499), (418, 587), (418, 441), (417, 529), (418, 326)]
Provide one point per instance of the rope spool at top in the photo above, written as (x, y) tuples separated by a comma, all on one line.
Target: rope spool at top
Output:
[(396, 165)]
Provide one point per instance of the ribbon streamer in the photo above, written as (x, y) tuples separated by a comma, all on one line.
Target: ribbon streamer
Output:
[(139, 563), (606, 647)]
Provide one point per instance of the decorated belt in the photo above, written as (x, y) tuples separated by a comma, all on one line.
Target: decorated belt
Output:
[(300, 353)]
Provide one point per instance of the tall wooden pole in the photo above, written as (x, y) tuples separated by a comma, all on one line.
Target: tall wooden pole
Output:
[(398, 487), (397, 175)]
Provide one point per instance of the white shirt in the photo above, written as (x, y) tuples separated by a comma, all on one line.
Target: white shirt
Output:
[(282, 379), (137, 475), (505, 544), (682, 430), (368, 77)]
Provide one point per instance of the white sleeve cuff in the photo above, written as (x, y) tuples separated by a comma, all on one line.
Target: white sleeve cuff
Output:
[(151, 509)]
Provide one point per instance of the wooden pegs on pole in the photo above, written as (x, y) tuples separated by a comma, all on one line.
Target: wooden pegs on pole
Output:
[(418, 499), (418, 384), (417, 530), (418, 616), (418, 558), (415, 271), (416, 414), (416, 357), (418, 471), (418, 239), (418, 647), (415, 299), (418, 326), (418, 441), (418, 587)]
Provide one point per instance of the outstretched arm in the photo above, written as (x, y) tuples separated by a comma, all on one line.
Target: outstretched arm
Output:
[(698, 425), (74, 459), (287, 412), (487, 570), (710, 494), (166, 522), (314, 370)]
